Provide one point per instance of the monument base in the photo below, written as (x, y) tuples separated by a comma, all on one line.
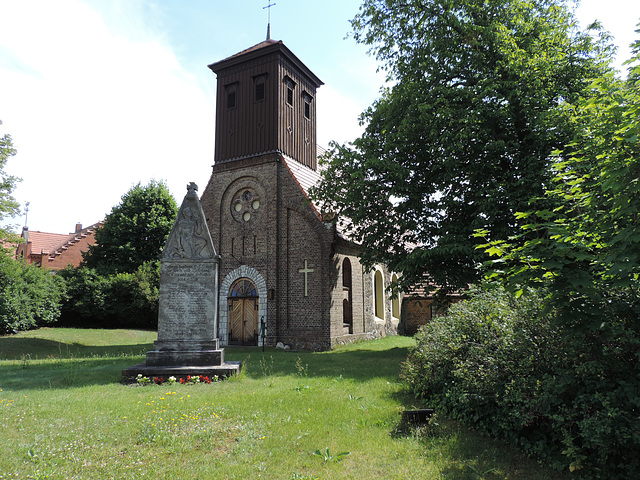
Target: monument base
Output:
[(181, 358), (185, 352), (181, 371)]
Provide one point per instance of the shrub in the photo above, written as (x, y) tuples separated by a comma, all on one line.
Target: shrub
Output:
[(30, 297), (132, 298), (123, 300), (85, 302), (502, 365)]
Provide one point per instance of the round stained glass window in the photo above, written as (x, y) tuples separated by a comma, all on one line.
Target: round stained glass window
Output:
[(246, 205)]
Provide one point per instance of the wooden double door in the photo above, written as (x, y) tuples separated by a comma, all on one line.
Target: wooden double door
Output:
[(244, 327)]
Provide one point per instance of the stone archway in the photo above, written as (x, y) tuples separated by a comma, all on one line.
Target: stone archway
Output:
[(224, 318)]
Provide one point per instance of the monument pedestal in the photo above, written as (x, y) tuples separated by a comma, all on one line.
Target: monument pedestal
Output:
[(226, 369), (180, 358), (184, 352), (188, 304)]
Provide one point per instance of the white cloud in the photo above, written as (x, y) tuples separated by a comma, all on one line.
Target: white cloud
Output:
[(93, 111), (96, 99)]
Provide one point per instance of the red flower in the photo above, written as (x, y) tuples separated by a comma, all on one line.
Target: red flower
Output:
[(159, 380), (182, 380)]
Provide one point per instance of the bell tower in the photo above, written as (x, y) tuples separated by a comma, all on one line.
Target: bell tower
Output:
[(265, 103)]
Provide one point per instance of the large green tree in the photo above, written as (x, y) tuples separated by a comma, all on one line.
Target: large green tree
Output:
[(135, 231), (588, 247), (9, 207), (461, 139)]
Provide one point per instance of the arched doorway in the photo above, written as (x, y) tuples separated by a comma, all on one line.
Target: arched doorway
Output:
[(243, 313)]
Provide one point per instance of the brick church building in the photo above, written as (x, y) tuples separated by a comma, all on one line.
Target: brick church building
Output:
[(281, 265)]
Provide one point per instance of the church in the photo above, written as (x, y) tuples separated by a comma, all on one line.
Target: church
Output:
[(287, 274)]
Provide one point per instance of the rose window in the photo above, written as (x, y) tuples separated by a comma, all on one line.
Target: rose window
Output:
[(245, 204)]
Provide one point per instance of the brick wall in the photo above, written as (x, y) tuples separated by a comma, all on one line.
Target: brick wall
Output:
[(416, 311), (281, 232)]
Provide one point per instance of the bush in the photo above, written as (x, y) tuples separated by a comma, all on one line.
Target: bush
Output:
[(85, 302), (502, 365), (123, 300), (30, 297)]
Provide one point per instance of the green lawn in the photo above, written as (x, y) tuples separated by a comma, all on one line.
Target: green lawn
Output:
[(289, 415)]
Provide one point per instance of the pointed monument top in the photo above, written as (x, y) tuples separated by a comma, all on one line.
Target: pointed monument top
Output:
[(190, 238)]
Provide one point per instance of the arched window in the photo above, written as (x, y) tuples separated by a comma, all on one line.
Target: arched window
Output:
[(346, 273), (395, 301), (307, 105), (231, 95), (347, 309), (259, 93), (243, 288), (378, 292)]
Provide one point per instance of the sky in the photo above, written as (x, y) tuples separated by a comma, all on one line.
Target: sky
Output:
[(99, 95)]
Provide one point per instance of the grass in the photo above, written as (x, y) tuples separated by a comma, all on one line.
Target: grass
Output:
[(289, 415)]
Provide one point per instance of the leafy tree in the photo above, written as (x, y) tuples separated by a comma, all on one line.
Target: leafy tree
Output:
[(461, 140), (135, 231), (8, 205), (586, 253), (588, 248)]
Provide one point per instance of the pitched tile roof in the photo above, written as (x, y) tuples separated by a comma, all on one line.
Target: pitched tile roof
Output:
[(258, 46), (56, 250), (306, 178), (44, 242)]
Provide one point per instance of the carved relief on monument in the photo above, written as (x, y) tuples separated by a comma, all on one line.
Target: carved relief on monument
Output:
[(190, 237)]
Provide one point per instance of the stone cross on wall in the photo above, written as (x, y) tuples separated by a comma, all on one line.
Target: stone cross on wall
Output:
[(306, 270)]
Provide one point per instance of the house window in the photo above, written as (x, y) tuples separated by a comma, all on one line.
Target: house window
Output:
[(259, 88), (231, 96), (378, 292)]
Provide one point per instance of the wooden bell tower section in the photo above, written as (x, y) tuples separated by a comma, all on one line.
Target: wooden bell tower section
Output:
[(265, 103)]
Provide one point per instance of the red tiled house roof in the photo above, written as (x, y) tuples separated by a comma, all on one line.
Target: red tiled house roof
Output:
[(54, 250)]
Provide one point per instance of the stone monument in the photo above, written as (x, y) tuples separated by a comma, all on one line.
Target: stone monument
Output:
[(188, 307)]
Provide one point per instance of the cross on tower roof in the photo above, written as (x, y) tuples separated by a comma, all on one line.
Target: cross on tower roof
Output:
[(268, 7)]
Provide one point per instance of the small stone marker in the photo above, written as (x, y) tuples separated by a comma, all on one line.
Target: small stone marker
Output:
[(188, 307)]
